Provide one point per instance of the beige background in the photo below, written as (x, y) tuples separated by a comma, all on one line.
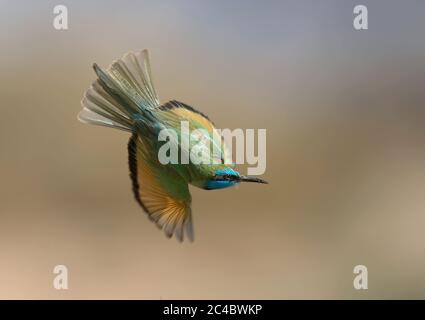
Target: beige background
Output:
[(344, 113)]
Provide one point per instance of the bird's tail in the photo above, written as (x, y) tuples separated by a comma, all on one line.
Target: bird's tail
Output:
[(121, 93)]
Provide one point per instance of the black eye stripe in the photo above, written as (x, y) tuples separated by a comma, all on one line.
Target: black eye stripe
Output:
[(225, 177)]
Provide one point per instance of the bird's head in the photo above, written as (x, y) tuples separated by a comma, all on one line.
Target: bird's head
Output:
[(224, 178)]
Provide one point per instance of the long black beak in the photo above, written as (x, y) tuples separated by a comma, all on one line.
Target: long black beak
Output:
[(252, 179)]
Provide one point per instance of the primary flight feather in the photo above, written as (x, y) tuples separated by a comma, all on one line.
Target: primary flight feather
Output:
[(123, 97)]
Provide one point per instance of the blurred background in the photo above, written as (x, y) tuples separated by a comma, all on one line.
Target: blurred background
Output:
[(345, 117)]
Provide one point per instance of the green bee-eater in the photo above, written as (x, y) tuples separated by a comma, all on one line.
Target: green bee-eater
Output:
[(124, 97)]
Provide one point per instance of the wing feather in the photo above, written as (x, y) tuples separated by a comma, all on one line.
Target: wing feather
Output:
[(162, 193)]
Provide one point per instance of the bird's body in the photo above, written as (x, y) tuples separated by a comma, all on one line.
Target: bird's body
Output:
[(123, 97)]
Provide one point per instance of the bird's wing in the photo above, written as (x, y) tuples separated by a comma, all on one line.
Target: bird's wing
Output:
[(161, 192), (174, 112)]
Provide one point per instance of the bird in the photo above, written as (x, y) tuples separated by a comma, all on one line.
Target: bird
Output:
[(123, 97)]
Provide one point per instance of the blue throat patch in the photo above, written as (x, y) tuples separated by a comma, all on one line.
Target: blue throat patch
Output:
[(220, 184)]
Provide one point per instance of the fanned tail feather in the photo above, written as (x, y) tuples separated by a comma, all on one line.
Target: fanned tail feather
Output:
[(120, 93)]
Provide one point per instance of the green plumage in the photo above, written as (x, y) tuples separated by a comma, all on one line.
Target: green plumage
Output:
[(124, 97)]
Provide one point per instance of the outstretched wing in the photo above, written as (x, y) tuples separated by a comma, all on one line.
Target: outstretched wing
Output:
[(160, 191)]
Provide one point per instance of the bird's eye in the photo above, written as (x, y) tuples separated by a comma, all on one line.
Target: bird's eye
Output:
[(220, 177), (226, 177)]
